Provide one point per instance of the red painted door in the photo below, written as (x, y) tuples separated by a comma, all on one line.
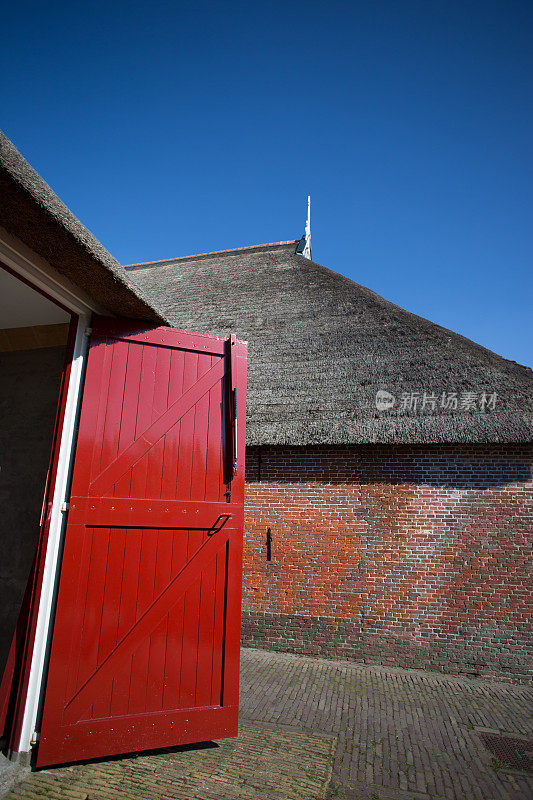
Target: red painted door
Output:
[(145, 648)]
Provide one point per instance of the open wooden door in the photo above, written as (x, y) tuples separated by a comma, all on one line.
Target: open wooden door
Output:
[(145, 648)]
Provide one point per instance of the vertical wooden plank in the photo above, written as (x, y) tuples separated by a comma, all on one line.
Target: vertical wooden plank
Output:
[(195, 539), (173, 661), (172, 438), (88, 450), (126, 614), (146, 564), (218, 628), (232, 627), (110, 611), (116, 428), (209, 689), (129, 413), (143, 417), (93, 603), (205, 636), (115, 402), (72, 596), (159, 541), (77, 547), (129, 571), (93, 414), (174, 634), (189, 656), (145, 594), (108, 425), (183, 477), (201, 426), (156, 453), (107, 432), (158, 639)]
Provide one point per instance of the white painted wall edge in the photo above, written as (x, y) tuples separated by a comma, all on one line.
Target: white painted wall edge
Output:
[(31, 267), (55, 535)]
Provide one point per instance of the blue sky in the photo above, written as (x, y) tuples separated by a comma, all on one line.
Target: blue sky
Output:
[(172, 128)]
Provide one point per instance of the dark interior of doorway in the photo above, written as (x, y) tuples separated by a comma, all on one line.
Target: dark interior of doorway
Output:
[(30, 382), (33, 339)]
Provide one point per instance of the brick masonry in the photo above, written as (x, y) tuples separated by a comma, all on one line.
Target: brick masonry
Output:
[(412, 556)]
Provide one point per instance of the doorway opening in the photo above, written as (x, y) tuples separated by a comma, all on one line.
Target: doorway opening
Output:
[(34, 337)]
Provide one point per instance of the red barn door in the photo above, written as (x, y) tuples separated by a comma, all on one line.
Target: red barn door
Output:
[(145, 648)]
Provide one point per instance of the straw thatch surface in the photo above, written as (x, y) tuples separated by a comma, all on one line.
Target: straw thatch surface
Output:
[(32, 212), (321, 346)]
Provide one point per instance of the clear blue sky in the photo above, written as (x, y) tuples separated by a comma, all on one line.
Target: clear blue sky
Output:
[(172, 128)]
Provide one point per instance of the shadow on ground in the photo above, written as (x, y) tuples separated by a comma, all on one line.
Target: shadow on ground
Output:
[(313, 729)]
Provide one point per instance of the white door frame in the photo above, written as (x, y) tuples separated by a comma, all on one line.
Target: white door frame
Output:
[(38, 273)]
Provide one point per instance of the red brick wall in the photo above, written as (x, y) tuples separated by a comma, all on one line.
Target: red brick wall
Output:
[(413, 556)]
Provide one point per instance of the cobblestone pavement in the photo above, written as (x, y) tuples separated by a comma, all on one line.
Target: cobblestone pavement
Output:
[(401, 734), (313, 729)]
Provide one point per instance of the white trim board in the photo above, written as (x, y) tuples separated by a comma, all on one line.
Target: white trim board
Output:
[(38, 273), (55, 536)]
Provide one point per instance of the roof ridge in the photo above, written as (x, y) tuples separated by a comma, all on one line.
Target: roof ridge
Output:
[(212, 253)]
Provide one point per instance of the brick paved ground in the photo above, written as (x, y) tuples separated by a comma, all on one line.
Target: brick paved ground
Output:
[(401, 734), (326, 730)]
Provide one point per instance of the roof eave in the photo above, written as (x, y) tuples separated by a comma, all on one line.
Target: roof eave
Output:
[(32, 212)]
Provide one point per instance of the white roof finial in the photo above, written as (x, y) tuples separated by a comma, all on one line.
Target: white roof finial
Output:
[(307, 236)]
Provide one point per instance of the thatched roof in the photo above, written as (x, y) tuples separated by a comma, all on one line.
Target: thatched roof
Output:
[(33, 213), (321, 347)]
